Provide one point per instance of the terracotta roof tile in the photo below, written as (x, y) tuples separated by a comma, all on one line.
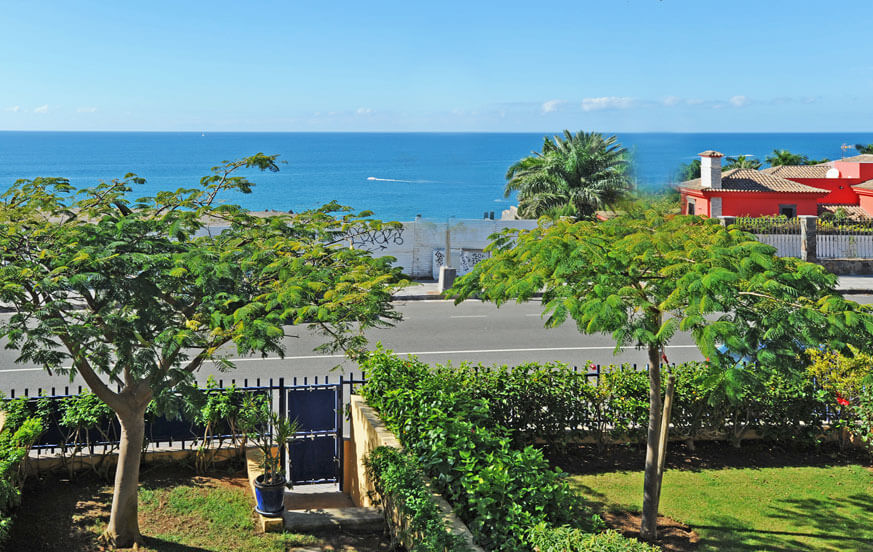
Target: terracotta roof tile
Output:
[(863, 158), (854, 212), (798, 171), (867, 185), (751, 180)]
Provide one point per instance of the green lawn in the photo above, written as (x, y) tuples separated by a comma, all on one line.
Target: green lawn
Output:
[(773, 509)]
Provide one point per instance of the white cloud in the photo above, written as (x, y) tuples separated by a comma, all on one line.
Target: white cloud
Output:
[(13, 109), (86, 109), (739, 101), (671, 101), (42, 109), (552, 105), (606, 102), (364, 111), (694, 101)]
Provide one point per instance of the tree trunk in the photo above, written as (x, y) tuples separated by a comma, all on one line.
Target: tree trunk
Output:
[(665, 432), (123, 530), (649, 522)]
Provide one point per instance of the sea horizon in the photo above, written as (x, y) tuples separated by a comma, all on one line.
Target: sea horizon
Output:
[(397, 175)]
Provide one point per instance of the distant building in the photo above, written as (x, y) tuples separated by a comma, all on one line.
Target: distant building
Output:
[(790, 190)]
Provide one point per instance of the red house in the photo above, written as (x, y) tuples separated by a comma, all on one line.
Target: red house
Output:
[(782, 190)]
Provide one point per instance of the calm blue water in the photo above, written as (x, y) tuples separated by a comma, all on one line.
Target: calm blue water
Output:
[(435, 175)]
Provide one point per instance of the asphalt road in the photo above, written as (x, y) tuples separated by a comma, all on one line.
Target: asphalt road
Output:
[(435, 331)]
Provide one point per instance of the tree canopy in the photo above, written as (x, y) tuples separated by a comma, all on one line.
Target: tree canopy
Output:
[(645, 275), (574, 175), (862, 148), (741, 162), (785, 157), (135, 296), (689, 171)]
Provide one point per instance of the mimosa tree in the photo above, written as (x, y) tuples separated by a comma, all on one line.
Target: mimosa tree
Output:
[(134, 296)]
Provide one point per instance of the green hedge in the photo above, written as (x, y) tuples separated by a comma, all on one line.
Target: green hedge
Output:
[(499, 490), (565, 539), (558, 405), (398, 478), (18, 435)]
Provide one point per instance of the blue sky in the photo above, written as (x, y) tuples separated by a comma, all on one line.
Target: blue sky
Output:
[(607, 65)]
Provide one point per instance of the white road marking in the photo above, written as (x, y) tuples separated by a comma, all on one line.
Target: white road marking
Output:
[(417, 353)]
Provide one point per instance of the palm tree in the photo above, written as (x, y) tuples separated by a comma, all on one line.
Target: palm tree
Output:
[(741, 162), (785, 157), (574, 174), (864, 149)]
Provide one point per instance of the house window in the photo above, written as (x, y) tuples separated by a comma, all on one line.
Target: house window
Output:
[(690, 206), (789, 211)]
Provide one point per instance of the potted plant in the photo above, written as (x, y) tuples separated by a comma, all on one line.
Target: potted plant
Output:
[(256, 418)]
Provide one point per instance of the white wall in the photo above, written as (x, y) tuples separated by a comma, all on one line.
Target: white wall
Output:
[(416, 245)]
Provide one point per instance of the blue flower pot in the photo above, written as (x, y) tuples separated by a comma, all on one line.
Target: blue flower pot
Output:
[(270, 497)]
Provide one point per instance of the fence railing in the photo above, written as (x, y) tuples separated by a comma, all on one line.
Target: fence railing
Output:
[(780, 232), (180, 431), (844, 239)]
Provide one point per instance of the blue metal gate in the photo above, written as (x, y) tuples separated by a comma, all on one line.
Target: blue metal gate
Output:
[(315, 453)]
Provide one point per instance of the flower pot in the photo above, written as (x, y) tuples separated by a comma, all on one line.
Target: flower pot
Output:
[(270, 497)]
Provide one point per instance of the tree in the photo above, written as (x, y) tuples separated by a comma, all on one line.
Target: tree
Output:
[(864, 149), (741, 162), (785, 157), (643, 276), (576, 175), (689, 171), (136, 299)]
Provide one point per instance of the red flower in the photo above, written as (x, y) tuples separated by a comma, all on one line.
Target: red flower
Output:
[(842, 401)]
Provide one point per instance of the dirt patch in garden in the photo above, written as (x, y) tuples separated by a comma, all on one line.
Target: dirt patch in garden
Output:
[(706, 455), (672, 535)]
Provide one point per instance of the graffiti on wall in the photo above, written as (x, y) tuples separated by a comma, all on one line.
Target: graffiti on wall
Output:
[(463, 259), (375, 240)]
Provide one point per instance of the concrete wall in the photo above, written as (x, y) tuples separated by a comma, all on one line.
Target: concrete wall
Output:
[(420, 245)]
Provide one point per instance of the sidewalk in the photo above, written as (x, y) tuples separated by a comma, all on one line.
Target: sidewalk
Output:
[(423, 291)]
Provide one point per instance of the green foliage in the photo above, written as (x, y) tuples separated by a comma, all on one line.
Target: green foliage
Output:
[(847, 386), (574, 175), (741, 162), (16, 438), (864, 148), (499, 491), (689, 171), (268, 430), (132, 294), (399, 480), (566, 539), (785, 157)]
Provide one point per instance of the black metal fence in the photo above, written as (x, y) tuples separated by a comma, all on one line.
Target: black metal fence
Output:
[(180, 430)]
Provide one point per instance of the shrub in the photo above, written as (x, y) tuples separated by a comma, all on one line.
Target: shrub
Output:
[(498, 490), (400, 481), (565, 539), (16, 438)]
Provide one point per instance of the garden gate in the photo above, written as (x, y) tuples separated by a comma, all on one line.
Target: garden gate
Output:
[(316, 451)]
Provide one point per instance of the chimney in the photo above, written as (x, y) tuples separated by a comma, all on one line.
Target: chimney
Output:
[(710, 170)]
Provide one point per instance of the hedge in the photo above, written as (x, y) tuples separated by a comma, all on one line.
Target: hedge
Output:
[(499, 490), (17, 436), (398, 479), (566, 539)]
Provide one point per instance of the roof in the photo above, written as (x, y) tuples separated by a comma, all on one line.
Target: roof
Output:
[(867, 185), (710, 153), (798, 171), (751, 180), (863, 158), (854, 212)]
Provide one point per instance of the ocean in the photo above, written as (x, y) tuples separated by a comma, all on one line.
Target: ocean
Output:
[(395, 175)]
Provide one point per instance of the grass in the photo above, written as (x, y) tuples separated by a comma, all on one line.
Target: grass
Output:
[(774, 509), (178, 512)]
